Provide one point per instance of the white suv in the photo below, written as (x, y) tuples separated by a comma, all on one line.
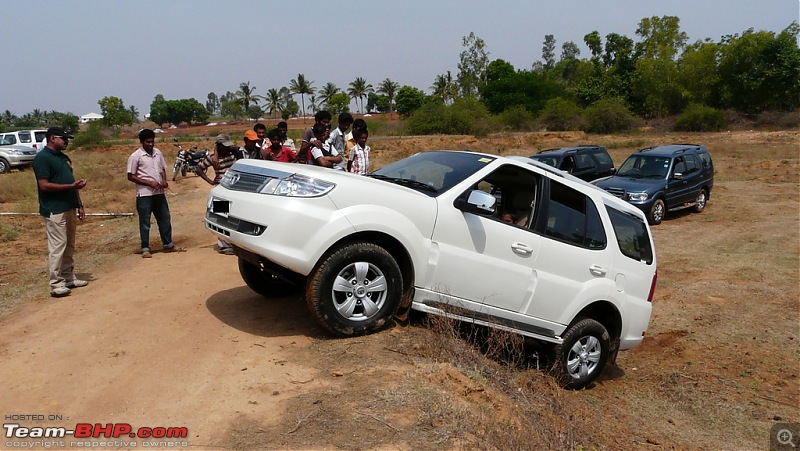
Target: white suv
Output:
[(510, 244), (34, 139)]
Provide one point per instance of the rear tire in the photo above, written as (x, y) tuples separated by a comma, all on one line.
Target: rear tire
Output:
[(264, 283), (581, 357), (700, 203), (355, 290)]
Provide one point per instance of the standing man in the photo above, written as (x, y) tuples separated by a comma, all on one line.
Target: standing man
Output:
[(283, 128), (148, 170), (61, 206)]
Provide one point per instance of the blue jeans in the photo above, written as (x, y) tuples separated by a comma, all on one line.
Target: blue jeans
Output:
[(157, 205)]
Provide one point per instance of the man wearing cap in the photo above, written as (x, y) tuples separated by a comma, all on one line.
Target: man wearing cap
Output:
[(225, 154), (148, 170), (61, 206), (251, 148)]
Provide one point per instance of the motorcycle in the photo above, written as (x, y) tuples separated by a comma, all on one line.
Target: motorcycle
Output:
[(187, 160)]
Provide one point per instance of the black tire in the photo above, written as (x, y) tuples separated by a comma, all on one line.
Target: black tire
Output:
[(583, 354), (175, 174), (4, 166), (700, 203), (183, 171), (355, 290), (657, 212), (264, 283)]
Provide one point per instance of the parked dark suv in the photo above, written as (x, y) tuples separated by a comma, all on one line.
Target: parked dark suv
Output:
[(585, 161), (662, 178)]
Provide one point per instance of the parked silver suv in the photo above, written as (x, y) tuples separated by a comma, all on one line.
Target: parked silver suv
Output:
[(14, 156)]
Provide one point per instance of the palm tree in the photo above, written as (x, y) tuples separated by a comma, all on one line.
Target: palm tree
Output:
[(443, 87), (134, 113), (8, 117), (389, 89), (274, 101), (302, 86), (245, 96), (37, 116), (327, 92), (359, 89)]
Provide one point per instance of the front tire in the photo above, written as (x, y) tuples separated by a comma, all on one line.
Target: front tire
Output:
[(355, 290), (4, 166), (656, 213), (583, 354), (264, 283), (700, 203)]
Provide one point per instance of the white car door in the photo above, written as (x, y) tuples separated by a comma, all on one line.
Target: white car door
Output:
[(480, 261)]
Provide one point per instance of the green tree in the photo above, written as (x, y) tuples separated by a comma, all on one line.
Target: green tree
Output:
[(698, 75), (389, 89), (327, 92), (662, 37), (231, 108), (245, 95), (178, 111), (213, 103), (408, 100), (301, 86), (134, 112), (507, 88), (473, 61), (358, 90), (655, 90), (759, 70), (338, 103), (549, 51), (114, 112), (274, 101)]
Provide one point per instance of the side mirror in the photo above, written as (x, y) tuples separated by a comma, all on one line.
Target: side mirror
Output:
[(677, 176), (477, 202)]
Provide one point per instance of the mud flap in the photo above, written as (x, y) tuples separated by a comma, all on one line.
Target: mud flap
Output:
[(401, 316), (613, 351)]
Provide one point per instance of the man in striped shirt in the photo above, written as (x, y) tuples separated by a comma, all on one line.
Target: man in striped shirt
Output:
[(225, 154)]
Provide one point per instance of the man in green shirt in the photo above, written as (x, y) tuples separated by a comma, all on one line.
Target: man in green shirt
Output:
[(60, 205)]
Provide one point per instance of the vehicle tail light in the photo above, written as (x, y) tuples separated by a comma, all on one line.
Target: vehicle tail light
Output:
[(652, 287)]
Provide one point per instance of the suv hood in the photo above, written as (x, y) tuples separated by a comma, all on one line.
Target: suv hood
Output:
[(632, 184)]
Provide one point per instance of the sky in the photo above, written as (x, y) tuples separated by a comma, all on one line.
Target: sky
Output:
[(66, 55)]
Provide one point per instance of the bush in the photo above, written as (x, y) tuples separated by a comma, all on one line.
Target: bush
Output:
[(609, 115), (89, 138), (517, 118), (700, 118), (560, 114), (464, 117)]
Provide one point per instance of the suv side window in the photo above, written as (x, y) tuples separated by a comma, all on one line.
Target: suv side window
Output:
[(691, 164), (584, 161), (632, 237), (573, 218), (602, 157), (705, 158), (10, 138), (25, 137)]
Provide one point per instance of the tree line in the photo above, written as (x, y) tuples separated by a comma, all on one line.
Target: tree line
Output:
[(655, 75)]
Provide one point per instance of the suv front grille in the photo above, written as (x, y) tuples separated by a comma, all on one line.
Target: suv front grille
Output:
[(619, 192), (244, 181)]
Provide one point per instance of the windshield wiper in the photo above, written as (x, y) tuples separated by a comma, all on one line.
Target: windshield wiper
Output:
[(415, 184)]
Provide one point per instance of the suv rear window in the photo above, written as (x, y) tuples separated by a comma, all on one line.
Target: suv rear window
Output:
[(40, 136), (632, 236)]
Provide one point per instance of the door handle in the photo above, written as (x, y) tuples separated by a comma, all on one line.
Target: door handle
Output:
[(597, 270), (521, 248)]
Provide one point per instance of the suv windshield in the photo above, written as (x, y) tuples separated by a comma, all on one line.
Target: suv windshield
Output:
[(433, 172), (644, 166)]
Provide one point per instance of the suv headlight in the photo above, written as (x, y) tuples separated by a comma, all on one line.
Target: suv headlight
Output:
[(297, 185), (638, 196)]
